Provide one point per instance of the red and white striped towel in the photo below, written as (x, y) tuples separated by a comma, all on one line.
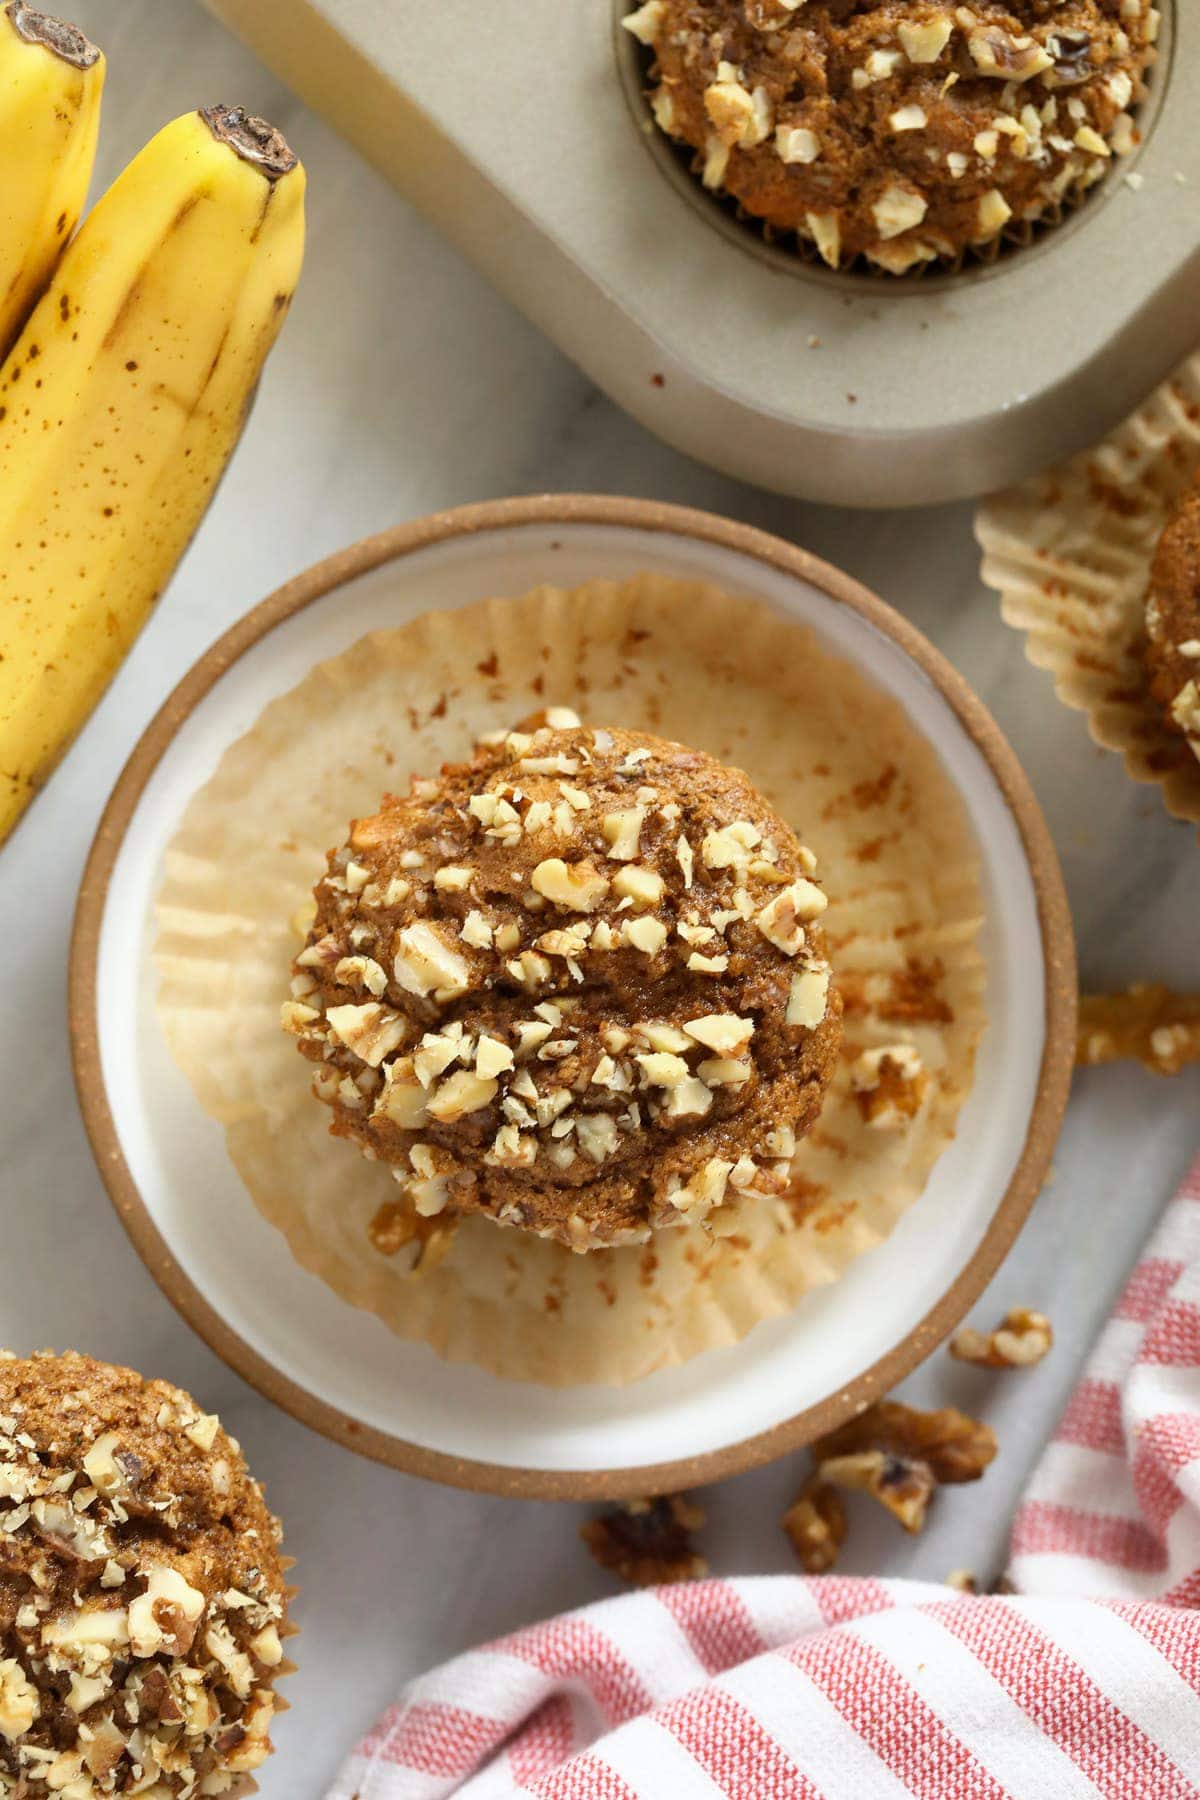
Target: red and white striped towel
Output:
[(1086, 1683)]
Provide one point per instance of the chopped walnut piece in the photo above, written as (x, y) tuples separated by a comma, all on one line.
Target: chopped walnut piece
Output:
[(898, 209), (645, 934), (1023, 1339), (425, 963), (825, 231), (622, 832), (999, 53), (815, 1524), (576, 887), (104, 1749), (643, 886), (738, 115), (646, 1542), (903, 1484), (1148, 1023), (924, 41), (963, 1581), (808, 998), (889, 1083), (371, 1031), (19, 1704), (461, 1093), (957, 1448), (164, 1617), (395, 1225), (783, 919)]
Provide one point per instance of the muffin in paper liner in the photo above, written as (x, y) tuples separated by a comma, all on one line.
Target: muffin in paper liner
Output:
[(1069, 552), (101, 1444), (759, 87), (836, 756)]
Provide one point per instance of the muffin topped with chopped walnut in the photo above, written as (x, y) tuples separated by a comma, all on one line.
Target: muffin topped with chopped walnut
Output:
[(578, 984), (900, 131), (1173, 618), (142, 1598)]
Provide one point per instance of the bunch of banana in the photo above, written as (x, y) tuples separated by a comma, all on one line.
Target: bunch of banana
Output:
[(51, 79), (120, 404)]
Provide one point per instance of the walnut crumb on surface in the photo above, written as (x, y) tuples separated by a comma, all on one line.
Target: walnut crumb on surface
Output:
[(897, 1454), (903, 1484), (1023, 1339), (647, 1542), (815, 1525), (956, 1447), (1148, 1023)]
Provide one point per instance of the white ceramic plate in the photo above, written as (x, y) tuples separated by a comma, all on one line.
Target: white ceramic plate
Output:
[(340, 1369)]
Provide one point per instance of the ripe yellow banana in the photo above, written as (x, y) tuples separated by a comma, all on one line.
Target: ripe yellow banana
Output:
[(51, 79), (120, 404)]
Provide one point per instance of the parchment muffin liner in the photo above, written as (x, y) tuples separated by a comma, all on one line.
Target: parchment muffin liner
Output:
[(1069, 552), (1018, 234), (836, 756)]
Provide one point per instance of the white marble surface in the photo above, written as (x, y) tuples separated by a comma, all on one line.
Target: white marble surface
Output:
[(402, 383)]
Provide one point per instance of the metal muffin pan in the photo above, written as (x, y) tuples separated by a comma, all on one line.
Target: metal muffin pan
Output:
[(526, 141)]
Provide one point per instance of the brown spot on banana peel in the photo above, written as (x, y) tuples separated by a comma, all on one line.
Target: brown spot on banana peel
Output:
[(55, 35), (263, 210), (44, 766), (212, 368), (254, 140)]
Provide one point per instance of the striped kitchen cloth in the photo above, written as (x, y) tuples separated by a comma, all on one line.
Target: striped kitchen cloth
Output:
[(1084, 1683)]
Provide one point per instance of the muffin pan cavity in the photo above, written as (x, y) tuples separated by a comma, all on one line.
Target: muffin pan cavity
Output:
[(520, 142), (788, 254)]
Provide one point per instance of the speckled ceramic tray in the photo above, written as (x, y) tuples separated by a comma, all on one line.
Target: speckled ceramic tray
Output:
[(526, 139), (337, 1367)]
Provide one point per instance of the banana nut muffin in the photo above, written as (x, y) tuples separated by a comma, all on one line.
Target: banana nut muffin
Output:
[(141, 1594), (903, 131), (1173, 619), (577, 984)]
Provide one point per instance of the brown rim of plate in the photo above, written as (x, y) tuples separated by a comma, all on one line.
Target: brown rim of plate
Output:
[(570, 1484)]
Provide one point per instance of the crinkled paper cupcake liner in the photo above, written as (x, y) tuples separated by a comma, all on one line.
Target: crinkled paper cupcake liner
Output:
[(1069, 553), (836, 756)]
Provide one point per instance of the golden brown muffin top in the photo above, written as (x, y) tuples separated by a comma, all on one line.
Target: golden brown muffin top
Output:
[(1173, 618), (578, 983), (899, 130), (141, 1593)]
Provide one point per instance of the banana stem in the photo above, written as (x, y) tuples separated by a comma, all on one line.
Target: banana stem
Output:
[(252, 139), (55, 35)]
